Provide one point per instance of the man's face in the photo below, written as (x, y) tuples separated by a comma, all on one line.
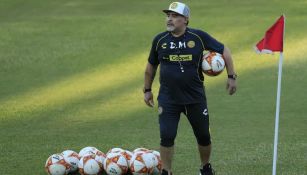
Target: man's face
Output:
[(174, 21)]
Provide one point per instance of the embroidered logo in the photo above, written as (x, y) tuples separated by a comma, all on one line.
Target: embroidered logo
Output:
[(174, 5), (205, 112), (191, 44), (164, 46)]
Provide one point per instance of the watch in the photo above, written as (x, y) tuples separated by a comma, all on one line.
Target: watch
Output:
[(233, 76), (146, 90)]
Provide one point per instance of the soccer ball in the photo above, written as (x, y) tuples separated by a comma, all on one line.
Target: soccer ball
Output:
[(156, 153), (128, 155), (157, 163), (115, 164), (100, 157), (56, 165), (86, 150), (115, 150), (142, 163), (89, 165), (140, 150), (72, 158), (213, 64)]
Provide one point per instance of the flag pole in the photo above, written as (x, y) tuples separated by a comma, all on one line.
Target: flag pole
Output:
[(278, 106), (277, 113)]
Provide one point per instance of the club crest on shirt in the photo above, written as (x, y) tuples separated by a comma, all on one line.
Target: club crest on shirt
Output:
[(191, 44)]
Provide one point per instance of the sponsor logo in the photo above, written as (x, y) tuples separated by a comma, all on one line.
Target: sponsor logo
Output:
[(191, 44), (219, 64), (164, 46), (205, 112), (174, 5), (180, 57), (56, 157)]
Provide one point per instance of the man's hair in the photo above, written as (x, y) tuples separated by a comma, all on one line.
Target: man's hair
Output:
[(187, 21)]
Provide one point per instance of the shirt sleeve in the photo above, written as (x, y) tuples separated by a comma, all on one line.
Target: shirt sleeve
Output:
[(153, 55), (211, 43)]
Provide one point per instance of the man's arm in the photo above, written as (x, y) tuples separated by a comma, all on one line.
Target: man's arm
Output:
[(231, 83), (150, 73)]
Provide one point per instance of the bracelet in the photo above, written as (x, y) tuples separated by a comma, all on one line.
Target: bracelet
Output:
[(234, 76)]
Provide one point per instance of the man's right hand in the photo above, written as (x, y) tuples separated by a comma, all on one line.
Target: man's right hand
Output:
[(148, 99)]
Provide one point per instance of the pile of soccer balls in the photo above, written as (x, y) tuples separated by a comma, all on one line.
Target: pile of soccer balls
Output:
[(117, 161), (213, 63)]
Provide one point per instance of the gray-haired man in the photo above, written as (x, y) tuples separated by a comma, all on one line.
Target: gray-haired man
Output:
[(179, 51)]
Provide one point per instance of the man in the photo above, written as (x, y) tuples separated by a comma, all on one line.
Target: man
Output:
[(179, 52)]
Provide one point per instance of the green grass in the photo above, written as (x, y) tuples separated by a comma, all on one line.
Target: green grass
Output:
[(71, 74)]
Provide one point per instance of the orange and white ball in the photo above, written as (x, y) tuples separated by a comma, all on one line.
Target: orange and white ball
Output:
[(213, 64), (56, 165), (126, 153), (115, 150), (90, 164), (88, 149), (157, 169), (140, 150), (115, 164), (72, 158), (142, 163)]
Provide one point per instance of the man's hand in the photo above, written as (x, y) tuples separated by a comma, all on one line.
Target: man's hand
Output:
[(148, 99), (231, 86)]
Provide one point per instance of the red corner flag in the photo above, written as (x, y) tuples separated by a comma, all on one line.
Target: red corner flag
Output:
[(273, 39)]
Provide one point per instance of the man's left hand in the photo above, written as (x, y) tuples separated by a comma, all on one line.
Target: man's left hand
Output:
[(231, 86)]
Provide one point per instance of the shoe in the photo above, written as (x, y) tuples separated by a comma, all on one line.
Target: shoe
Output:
[(207, 170), (164, 172)]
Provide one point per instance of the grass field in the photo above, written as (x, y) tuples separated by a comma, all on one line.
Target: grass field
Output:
[(71, 75)]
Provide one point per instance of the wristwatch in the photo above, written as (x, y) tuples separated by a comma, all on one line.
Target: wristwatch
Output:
[(233, 76), (146, 90)]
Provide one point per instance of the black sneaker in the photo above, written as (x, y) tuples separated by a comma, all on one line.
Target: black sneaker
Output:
[(164, 172), (207, 170)]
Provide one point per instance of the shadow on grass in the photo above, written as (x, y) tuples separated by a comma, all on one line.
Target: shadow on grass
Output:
[(115, 118), (51, 130)]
